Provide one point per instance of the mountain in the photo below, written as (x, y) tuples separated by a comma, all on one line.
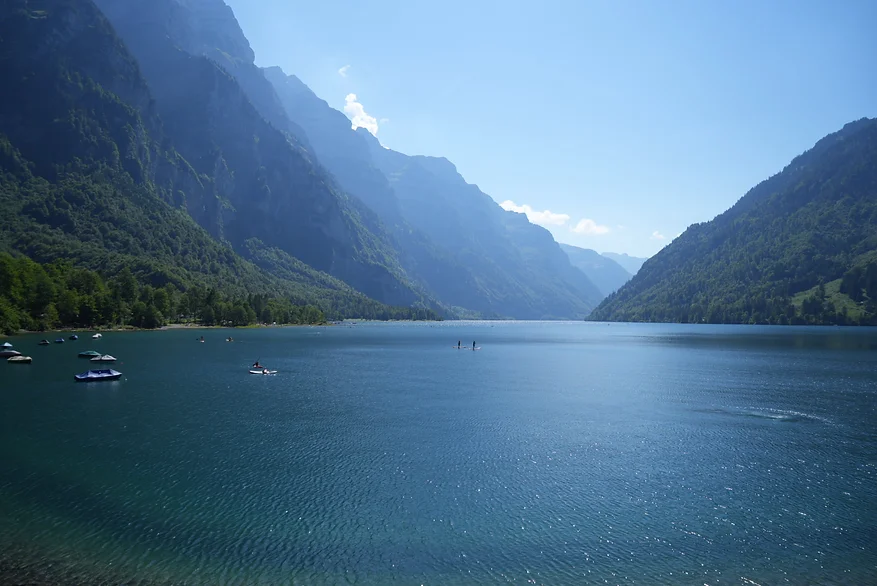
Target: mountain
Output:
[(801, 247), (604, 272), (517, 267), (631, 264), (466, 251), (224, 118), (88, 172)]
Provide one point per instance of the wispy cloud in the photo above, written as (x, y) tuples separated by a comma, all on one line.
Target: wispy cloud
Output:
[(588, 226), (547, 219), (359, 118), (657, 235), (343, 71), (543, 218)]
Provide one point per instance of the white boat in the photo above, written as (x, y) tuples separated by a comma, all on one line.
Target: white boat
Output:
[(104, 358), (263, 371), (19, 359), (6, 353), (97, 336), (98, 375)]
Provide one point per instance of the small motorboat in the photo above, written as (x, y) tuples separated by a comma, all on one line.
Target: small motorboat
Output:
[(97, 336), (88, 354), (104, 358), (74, 337), (7, 353), (43, 343), (5, 345), (19, 360), (59, 340), (97, 375), (263, 371)]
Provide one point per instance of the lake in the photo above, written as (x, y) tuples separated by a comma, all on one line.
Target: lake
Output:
[(559, 453)]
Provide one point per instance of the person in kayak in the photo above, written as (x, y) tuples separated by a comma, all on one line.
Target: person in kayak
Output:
[(257, 366)]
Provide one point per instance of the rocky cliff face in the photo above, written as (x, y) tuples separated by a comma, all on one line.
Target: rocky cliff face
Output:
[(452, 238), (517, 267), (267, 185)]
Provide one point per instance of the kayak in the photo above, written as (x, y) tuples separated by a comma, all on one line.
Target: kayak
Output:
[(263, 372)]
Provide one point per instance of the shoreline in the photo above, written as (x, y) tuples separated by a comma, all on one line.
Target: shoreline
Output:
[(168, 327)]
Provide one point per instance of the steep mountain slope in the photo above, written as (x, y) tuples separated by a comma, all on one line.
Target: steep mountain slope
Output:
[(631, 264), (536, 279), (801, 247), (269, 186), (87, 175), (604, 272), (518, 268)]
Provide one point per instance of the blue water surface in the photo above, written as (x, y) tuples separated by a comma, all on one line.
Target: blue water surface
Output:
[(558, 453)]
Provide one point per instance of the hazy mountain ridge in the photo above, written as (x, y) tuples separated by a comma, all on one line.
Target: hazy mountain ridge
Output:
[(604, 272), (435, 239), (517, 264), (631, 264), (797, 248)]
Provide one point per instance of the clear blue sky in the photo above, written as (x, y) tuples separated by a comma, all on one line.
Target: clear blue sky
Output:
[(641, 117)]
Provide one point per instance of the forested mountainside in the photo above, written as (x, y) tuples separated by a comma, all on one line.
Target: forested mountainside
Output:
[(606, 274), (801, 247), (267, 182), (498, 267), (161, 146), (88, 173), (631, 264)]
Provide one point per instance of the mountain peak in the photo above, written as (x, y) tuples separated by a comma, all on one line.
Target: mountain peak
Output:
[(219, 29)]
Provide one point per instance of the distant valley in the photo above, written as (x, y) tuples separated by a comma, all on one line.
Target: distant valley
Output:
[(159, 146)]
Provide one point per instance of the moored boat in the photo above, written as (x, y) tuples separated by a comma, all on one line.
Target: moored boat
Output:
[(19, 360), (7, 353), (104, 358), (97, 336), (88, 354), (43, 343), (5, 345), (59, 340), (98, 375), (74, 337)]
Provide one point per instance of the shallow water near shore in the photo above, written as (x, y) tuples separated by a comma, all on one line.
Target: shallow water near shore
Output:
[(560, 453)]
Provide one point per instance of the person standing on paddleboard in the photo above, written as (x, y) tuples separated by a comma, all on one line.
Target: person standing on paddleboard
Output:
[(473, 345)]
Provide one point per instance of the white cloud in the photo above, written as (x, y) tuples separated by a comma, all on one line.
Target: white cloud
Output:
[(343, 71), (657, 235), (588, 226), (547, 218), (543, 218), (358, 116)]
